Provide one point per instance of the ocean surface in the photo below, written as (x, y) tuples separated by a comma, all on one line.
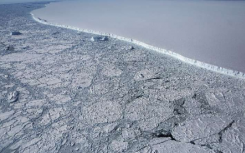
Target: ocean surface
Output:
[(209, 31)]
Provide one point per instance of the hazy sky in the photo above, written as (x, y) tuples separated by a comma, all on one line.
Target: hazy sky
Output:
[(21, 1)]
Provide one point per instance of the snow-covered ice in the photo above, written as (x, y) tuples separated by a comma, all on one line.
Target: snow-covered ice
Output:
[(60, 92)]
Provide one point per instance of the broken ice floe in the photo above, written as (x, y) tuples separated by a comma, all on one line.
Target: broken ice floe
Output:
[(15, 33), (105, 38), (131, 48), (10, 48), (13, 96), (42, 20)]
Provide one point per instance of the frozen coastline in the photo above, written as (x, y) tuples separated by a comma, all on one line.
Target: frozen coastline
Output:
[(235, 70)]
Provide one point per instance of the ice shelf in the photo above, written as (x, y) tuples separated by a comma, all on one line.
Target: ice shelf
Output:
[(207, 66)]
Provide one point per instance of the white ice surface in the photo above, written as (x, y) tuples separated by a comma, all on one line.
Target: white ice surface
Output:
[(208, 31)]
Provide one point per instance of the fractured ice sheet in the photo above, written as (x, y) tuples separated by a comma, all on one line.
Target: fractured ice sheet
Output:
[(81, 96)]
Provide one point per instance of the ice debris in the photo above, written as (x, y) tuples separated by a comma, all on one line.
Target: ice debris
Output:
[(15, 33), (10, 48), (99, 38), (131, 48), (13, 96)]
